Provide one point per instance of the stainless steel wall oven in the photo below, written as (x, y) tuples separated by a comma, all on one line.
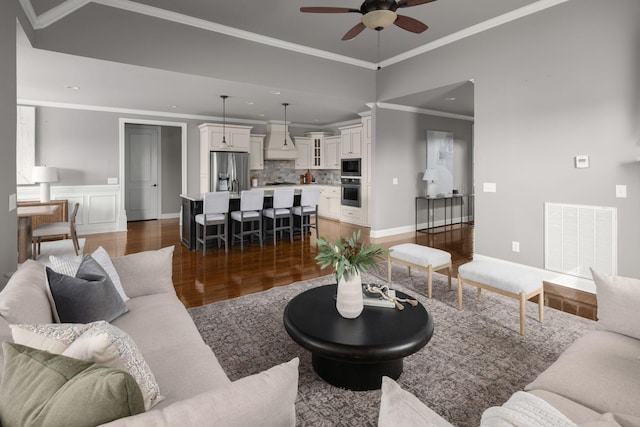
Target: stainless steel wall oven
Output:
[(351, 192)]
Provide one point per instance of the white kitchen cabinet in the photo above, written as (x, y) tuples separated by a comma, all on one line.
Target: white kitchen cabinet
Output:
[(237, 137), (351, 144), (366, 129), (329, 205), (256, 152), (331, 152), (303, 146), (352, 215)]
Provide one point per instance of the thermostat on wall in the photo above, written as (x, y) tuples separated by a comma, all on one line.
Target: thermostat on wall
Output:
[(581, 162)]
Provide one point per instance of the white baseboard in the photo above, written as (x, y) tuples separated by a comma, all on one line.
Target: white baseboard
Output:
[(170, 215)]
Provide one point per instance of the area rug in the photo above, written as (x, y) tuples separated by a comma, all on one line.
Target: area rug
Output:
[(476, 358), (61, 249)]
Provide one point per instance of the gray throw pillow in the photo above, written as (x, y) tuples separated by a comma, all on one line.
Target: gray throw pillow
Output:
[(88, 297), (44, 389)]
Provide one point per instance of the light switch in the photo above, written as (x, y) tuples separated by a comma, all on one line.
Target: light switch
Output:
[(621, 191), (489, 187), (395, 181)]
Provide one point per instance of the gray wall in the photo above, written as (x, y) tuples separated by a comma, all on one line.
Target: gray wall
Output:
[(8, 231), (548, 87), (400, 151), (171, 169), (85, 146)]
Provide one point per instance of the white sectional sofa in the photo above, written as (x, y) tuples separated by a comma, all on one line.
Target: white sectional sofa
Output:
[(195, 389)]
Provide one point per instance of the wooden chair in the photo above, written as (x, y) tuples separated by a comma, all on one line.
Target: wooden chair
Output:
[(66, 228)]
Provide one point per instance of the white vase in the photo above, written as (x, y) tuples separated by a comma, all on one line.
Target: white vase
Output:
[(349, 299)]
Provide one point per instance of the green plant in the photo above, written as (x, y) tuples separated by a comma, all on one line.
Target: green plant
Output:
[(348, 256)]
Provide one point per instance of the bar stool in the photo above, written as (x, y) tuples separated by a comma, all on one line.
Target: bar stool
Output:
[(281, 210), (214, 213), (309, 200), (251, 204)]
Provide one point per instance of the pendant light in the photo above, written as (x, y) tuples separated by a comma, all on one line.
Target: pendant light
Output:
[(285, 146), (224, 119)]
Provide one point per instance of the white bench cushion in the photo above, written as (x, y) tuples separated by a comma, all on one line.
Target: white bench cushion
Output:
[(510, 278), (420, 255)]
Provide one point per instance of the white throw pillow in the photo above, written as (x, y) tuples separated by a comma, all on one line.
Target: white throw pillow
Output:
[(618, 301), (106, 344), (54, 337), (98, 342), (401, 408), (266, 399), (70, 268)]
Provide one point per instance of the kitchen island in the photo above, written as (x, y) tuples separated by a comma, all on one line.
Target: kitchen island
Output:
[(192, 206)]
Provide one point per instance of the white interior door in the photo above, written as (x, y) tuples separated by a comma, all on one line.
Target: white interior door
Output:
[(142, 144)]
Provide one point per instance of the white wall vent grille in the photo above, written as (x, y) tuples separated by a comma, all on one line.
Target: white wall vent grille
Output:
[(578, 237)]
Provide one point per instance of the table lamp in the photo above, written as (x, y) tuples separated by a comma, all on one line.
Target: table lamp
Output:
[(44, 175), (430, 176)]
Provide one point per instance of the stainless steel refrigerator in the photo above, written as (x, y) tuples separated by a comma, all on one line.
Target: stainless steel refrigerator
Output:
[(229, 171)]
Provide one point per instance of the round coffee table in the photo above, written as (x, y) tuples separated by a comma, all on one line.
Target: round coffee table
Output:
[(356, 353)]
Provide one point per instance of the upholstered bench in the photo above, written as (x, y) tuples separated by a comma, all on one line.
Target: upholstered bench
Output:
[(422, 258), (505, 279)]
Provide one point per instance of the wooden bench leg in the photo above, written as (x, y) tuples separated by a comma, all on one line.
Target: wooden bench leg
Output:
[(523, 299), (429, 277), (449, 274), (479, 292), (459, 292), (541, 305)]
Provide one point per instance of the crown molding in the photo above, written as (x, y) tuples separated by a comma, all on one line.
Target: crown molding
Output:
[(398, 107), (70, 6), (474, 29), (119, 110)]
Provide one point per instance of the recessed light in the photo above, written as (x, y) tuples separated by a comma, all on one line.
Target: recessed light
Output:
[(172, 106), (275, 92), (261, 115), (250, 102), (74, 87), (451, 98)]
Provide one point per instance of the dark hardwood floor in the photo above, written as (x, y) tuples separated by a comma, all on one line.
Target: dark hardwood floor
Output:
[(218, 275)]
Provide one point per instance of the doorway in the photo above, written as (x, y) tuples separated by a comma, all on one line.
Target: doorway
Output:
[(136, 193), (142, 172)]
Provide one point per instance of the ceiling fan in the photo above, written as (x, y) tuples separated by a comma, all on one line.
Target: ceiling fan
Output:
[(377, 15)]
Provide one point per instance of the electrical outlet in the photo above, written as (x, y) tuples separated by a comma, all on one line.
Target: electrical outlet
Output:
[(515, 246), (395, 181), (621, 191), (112, 180)]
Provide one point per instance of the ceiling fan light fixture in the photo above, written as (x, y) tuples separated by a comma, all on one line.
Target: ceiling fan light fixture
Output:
[(379, 19)]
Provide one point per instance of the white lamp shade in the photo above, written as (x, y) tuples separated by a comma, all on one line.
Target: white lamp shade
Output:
[(44, 174), (430, 175)]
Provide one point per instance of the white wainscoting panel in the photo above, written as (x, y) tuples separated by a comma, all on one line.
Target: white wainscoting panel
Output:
[(99, 211)]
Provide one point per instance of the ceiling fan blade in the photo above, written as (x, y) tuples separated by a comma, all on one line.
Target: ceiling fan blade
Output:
[(409, 3), (410, 24), (357, 29), (321, 9)]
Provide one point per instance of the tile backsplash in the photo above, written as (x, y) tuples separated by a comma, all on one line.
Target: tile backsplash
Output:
[(284, 170)]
